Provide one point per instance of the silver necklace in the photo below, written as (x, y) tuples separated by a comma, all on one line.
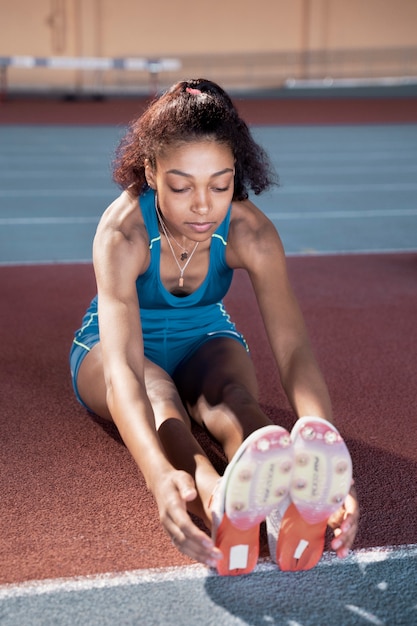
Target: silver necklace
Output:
[(166, 231), (184, 254)]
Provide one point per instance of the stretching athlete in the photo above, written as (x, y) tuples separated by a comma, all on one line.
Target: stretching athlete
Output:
[(157, 346)]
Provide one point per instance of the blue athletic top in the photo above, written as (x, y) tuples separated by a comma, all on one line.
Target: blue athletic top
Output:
[(173, 326), (152, 293)]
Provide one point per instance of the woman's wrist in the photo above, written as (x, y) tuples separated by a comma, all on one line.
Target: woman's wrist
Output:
[(155, 470)]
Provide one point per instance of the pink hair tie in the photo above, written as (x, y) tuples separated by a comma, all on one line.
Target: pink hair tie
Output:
[(193, 92)]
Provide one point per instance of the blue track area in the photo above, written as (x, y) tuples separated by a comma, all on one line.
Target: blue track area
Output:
[(342, 189), (368, 588)]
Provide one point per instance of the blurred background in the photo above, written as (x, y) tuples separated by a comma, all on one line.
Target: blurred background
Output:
[(107, 47)]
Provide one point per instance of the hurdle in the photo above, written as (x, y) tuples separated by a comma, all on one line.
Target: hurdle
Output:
[(153, 66)]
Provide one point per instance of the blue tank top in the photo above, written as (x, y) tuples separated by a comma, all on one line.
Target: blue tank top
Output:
[(174, 326), (151, 291)]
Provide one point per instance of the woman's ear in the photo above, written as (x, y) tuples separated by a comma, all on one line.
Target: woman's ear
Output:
[(150, 174)]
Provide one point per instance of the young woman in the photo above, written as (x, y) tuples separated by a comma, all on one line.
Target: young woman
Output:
[(157, 346)]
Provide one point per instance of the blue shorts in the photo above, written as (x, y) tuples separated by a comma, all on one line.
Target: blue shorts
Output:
[(168, 341)]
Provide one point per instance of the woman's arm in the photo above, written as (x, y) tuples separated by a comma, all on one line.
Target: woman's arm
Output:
[(258, 249), (256, 246), (120, 254)]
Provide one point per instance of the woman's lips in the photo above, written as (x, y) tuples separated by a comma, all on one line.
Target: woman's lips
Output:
[(200, 227)]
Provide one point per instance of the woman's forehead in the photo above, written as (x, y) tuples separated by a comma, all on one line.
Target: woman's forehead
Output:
[(196, 153)]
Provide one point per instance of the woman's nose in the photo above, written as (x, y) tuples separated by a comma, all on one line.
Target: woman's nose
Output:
[(201, 203)]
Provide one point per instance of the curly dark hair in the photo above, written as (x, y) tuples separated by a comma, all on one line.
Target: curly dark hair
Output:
[(189, 111)]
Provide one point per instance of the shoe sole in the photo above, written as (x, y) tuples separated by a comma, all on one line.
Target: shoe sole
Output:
[(321, 480), (259, 476), (322, 473), (254, 483)]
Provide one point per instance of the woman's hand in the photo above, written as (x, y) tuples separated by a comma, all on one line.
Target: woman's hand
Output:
[(172, 493), (345, 524)]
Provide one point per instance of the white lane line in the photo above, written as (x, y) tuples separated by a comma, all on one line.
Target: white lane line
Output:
[(55, 193), (33, 221), (311, 252), (46, 262), (296, 189), (280, 216), (342, 214), (366, 615), (161, 575), (301, 254), (346, 188)]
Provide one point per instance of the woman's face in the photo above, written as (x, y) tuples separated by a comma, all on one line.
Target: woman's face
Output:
[(195, 183)]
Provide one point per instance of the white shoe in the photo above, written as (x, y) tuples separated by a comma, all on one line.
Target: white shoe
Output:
[(256, 480), (321, 479)]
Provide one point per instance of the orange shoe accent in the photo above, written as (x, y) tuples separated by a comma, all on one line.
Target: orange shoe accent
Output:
[(300, 544), (256, 480), (240, 548)]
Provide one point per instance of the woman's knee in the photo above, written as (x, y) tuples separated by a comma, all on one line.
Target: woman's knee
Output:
[(235, 417), (237, 394)]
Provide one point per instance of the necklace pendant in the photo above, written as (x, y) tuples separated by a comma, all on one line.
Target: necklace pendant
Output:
[(184, 256), (181, 282)]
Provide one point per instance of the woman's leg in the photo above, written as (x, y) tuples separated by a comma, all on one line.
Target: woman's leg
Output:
[(171, 421), (219, 388)]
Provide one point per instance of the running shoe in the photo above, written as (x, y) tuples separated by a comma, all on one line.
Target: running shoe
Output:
[(256, 480), (321, 479)]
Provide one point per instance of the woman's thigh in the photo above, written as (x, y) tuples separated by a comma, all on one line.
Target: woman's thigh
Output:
[(218, 386), (161, 390), (90, 384)]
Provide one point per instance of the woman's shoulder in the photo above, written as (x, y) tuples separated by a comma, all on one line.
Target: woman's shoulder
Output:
[(122, 226), (251, 233), (247, 220), (124, 216), (122, 211)]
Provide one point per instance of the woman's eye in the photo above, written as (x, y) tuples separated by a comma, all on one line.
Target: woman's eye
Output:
[(221, 188), (178, 190)]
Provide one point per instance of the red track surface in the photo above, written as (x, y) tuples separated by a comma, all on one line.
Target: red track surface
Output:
[(72, 500), (255, 111)]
